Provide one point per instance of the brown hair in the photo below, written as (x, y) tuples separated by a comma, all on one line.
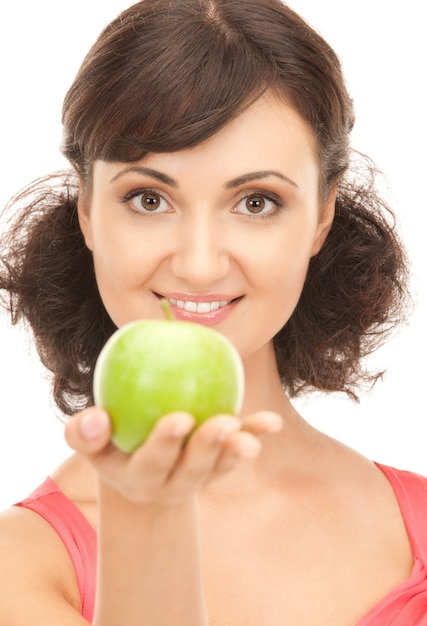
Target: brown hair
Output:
[(163, 76)]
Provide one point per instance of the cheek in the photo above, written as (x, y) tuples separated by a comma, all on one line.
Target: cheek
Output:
[(121, 255), (276, 287), (114, 263), (282, 288), (283, 260), (279, 272), (123, 265)]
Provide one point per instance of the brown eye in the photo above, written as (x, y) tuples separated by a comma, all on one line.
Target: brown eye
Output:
[(150, 201), (255, 204), (259, 205), (147, 201)]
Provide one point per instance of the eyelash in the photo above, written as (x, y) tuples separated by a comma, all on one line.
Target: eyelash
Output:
[(139, 192), (270, 197), (276, 200)]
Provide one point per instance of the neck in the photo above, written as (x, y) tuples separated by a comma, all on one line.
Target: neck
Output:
[(263, 387)]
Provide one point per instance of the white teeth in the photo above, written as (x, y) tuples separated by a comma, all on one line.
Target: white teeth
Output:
[(191, 307), (198, 307), (203, 307)]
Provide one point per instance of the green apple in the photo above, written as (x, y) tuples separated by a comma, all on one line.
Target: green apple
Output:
[(149, 368)]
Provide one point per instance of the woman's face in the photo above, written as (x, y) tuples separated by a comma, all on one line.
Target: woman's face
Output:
[(224, 230)]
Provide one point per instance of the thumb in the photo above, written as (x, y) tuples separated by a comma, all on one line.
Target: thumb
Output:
[(89, 431)]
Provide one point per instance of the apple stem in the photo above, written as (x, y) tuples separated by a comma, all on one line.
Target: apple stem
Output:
[(166, 309)]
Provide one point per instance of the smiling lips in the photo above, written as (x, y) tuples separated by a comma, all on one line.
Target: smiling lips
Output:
[(201, 310), (199, 307)]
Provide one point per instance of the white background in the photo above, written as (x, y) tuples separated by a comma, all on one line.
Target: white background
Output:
[(380, 43)]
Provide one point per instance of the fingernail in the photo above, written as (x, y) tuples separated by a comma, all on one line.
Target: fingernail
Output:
[(93, 424), (226, 432), (250, 449), (276, 423), (182, 430)]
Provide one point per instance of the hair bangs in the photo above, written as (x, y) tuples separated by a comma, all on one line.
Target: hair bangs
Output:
[(161, 95)]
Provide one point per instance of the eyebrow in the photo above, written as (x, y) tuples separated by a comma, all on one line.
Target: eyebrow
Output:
[(236, 182), (246, 178), (147, 171)]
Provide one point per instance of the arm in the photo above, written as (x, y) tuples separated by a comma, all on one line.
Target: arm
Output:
[(150, 564), (149, 568), (38, 585)]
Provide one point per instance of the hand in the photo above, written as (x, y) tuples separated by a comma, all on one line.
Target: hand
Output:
[(170, 466)]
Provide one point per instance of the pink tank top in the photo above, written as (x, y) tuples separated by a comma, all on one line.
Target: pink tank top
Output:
[(78, 535), (406, 605)]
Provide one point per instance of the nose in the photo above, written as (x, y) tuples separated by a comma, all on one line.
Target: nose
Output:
[(201, 257)]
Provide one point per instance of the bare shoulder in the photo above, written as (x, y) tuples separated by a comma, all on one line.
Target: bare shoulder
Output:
[(35, 565)]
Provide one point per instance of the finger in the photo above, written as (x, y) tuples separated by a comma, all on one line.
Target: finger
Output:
[(262, 423), (89, 431), (202, 452), (150, 464), (238, 447), (246, 444), (157, 457), (140, 476)]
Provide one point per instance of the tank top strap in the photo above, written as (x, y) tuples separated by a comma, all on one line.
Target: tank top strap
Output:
[(411, 493), (78, 536)]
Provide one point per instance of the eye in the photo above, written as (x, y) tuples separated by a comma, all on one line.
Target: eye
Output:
[(146, 201), (259, 203)]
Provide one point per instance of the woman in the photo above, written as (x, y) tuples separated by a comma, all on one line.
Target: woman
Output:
[(210, 143)]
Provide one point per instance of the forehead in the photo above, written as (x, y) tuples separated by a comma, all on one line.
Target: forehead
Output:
[(270, 134)]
